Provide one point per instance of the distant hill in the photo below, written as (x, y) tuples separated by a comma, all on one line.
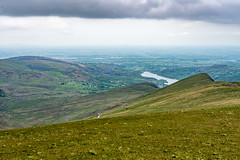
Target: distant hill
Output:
[(38, 58), (34, 90), (63, 76), (198, 91)]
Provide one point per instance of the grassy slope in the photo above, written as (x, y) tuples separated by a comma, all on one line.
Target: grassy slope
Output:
[(39, 90), (65, 109), (79, 107), (211, 133), (198, 91)]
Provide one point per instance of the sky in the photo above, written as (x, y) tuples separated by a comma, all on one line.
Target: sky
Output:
[(119, 22)]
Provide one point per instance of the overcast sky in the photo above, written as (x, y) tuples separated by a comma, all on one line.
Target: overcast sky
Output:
[(119, 22)]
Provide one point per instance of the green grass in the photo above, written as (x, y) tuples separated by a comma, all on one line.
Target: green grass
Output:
[(194, 134)]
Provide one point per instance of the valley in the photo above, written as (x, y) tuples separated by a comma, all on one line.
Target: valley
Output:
[(39, 90), (195, 117)]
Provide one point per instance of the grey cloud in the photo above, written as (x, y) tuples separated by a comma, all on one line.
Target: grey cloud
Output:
[(220, 11)]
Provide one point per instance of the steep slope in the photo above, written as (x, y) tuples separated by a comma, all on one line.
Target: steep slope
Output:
[(211, 133), (70, 108), (198, 91)]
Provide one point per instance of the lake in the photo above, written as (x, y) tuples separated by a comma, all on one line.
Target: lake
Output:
[(151, 75)]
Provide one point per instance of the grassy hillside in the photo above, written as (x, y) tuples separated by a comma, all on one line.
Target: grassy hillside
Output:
[(70, 108), (194, 134), (198, 91), (39, 90)]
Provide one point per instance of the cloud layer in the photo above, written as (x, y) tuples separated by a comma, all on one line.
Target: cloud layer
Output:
[(220, 11)]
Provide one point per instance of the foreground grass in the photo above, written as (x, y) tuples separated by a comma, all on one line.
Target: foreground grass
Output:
[(204, 133)]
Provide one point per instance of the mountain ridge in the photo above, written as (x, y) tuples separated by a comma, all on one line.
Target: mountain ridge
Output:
[(33, 58), (197, 91)]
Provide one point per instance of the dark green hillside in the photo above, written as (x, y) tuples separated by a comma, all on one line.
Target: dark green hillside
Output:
[(194, 134), (65, 109), (198, 91), (69, 108)]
